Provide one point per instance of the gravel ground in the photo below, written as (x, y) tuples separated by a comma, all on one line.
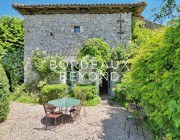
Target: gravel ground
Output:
[(26, 122)]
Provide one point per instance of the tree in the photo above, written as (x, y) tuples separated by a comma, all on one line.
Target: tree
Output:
[(12, 48), (11, 33), (169, 9)]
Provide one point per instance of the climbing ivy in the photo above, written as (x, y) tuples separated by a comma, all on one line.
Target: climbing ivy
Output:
[(95, 49), (42, 65), (154, 79)]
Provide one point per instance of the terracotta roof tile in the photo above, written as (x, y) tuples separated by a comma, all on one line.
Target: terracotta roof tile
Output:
[(135, 8)]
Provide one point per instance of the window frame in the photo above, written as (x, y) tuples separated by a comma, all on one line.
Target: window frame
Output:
[(77, 29)]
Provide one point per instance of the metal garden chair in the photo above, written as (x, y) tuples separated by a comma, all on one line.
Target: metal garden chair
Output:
[(51, 113), (134, 118)]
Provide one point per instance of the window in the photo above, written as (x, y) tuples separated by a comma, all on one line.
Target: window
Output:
[(77, 29)]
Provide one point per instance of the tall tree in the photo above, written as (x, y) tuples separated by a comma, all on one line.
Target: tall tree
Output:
[(12, 48), (169, 9)]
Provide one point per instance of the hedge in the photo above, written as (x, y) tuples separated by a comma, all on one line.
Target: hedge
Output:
[(93, 102), (54, 91), (90, 91), (4, 94)]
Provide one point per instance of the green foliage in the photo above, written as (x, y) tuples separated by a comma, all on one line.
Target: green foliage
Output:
[(95, 51), (120, 56), (120, 93), (90, 91), (54, 91), (11, 33), (155, 78), (97, 48), (11, 48), (68, 70), (42, 64), (20, 90), (22, 94), (4, 94), (47, 74), (35, 85), (118, 53), (169, 9), (93, 102), (13, 64), (26, 99), (2, 52)]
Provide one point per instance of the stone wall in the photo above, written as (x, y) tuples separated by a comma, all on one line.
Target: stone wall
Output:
[(152, 25), (148, 24), (55, 33)]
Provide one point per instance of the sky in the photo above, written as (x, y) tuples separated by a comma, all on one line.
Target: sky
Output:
[(6, 9)]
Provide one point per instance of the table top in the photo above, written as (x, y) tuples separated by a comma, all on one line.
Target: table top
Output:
[(64, 102)]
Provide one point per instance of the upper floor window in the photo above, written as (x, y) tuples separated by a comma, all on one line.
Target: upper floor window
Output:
[(77, 29)]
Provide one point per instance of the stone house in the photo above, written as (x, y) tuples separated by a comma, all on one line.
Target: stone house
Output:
[(63, 28)]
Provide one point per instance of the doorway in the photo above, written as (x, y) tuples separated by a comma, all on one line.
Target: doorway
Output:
[(104, 87)]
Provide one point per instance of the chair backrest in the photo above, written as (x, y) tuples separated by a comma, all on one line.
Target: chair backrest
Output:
[(78, 109), (48, 108), (45, 99), (141, 112), (82, 97), (131, 107)]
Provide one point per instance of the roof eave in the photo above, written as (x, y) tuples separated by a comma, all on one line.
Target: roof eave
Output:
[(136, 8)]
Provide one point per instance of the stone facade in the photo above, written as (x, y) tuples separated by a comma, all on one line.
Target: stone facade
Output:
[(148, 24), (55, 33)]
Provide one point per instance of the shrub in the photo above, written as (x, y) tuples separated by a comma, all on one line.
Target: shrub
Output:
[(53, 91), (13, 65), (4, 94), (95, 47), (118, 53), (47, 73), (21, 94), (20, 90), (155, 79), (26, 99), (90, 91), (41, 64), (33, 85), (92, 102), (120, 93)]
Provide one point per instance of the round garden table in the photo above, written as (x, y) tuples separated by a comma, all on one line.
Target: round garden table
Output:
[(64, 102)]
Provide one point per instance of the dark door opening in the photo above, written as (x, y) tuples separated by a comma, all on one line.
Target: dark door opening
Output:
[(104, 85)]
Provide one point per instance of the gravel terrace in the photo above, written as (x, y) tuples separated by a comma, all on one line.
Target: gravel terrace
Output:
[(105, 122)]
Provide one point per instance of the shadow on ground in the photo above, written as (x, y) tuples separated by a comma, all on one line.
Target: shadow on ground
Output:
[(64, 119), (113, 127)]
